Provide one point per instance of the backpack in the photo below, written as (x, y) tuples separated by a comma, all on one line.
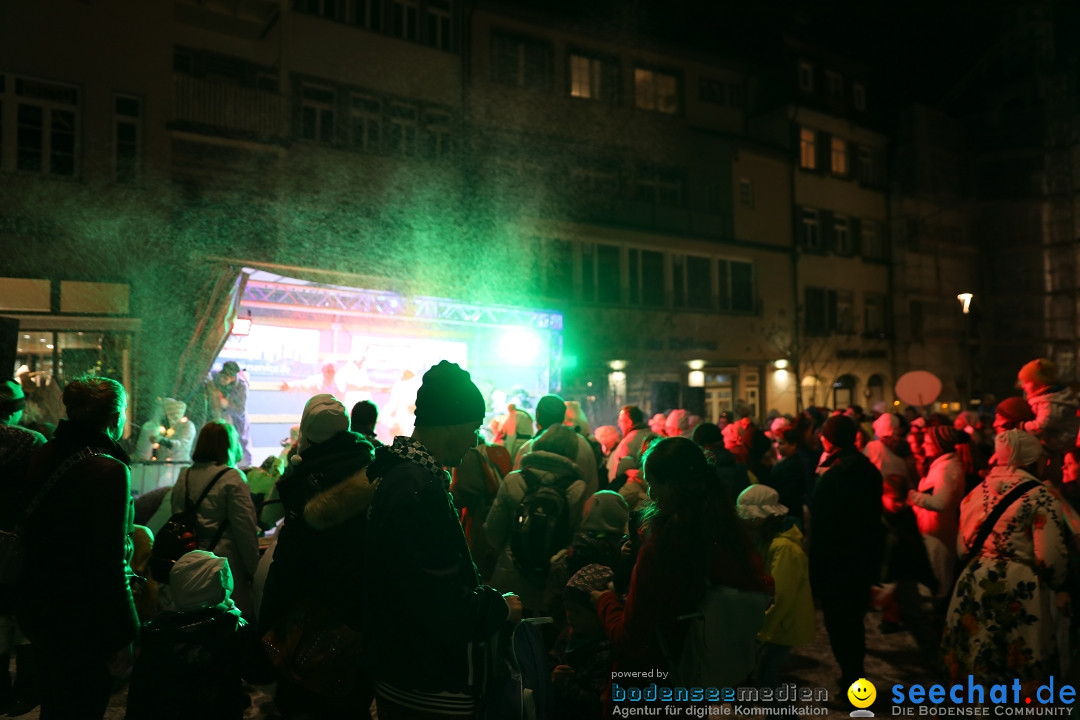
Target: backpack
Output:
[(518, 684), (720, 645), (543, 525), (177, 536)]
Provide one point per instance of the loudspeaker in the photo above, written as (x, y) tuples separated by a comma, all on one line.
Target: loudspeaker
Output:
[(665, 396), (9, 343), (694, 400)]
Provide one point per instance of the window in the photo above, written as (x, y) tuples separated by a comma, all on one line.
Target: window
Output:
[(558, 270), (438, 24), (600, 273), (367, 14), (806, 76), (329, 9), (317, 114), (811, 230), (746, 193), (646, 268), (815, 317), (871, 240), (691, 277), (711, 91), (858, 97), (440, 141), (46, 117), (807, 149), (661, 186), (594, 179), (656, 90), (839, 155), (404, 15), (843, 302), (874, 315), (835, 83), (127, 135), (402, 131), (593, 78), (864, 165), (365, 116), (842, 241), (735, 95), (736, 285), (521, 61)]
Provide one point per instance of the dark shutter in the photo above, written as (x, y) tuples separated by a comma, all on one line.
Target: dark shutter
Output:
[(827, 228), (830, 311), (824, 152), (855, 231)]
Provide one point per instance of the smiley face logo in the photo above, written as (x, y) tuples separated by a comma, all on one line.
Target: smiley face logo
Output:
[(862, 693)]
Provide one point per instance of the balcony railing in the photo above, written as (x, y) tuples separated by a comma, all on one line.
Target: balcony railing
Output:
[(221, 108)]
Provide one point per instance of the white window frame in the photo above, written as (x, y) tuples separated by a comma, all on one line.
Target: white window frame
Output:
[(656, 90), (838, 157), (440, 25), (587, 77), (658, 182), (437, 125), (408, 129), (807, 149), (842, 238), (410, 19), (365, 118), (322, 110), (864, 164), (872, 239), (11, 101), (806, 76), (134, 122), (746, 193)]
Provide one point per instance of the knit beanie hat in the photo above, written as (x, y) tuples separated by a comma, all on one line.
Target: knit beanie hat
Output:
[(887, 425), (584, 581), (606, 512), (550, 409), (12, 398), (944, 436), (1040, 370), (448, 396), (759, 502), (199, 579), (840, 431), (1015, 409), (324, 417), (1016, 449)]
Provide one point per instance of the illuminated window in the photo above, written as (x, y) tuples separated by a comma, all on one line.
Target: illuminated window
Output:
[(839, 156), (656, 90), (593, 78), (438, 24), (127, 135), (403, 130), (46, 121), (807, 149), (858, 96), (806, 76), (317, 114), (365, 118), (520, 61)]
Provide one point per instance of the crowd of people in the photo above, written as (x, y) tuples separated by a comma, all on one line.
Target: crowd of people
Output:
[(349, 573)]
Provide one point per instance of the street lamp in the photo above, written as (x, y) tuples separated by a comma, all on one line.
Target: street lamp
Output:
[(965, 307)]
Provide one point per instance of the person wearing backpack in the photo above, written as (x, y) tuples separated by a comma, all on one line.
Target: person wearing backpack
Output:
[(693, 539), (227, 512), (81, 532), (536, 512), (551, 410)]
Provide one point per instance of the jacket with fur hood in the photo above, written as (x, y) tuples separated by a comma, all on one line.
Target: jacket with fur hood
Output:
[(1056, 422), (320, 546)]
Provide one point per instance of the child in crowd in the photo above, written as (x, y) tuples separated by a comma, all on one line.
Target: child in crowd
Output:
[(195, 653), (789, 621), (583, 653)]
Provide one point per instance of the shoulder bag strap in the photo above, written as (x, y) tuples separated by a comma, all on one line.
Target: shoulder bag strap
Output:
[(202, 496), (187, 489), (991, 520), (57, 474)]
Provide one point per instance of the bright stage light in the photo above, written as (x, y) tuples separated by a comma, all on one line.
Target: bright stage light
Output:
[(520, 347)]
